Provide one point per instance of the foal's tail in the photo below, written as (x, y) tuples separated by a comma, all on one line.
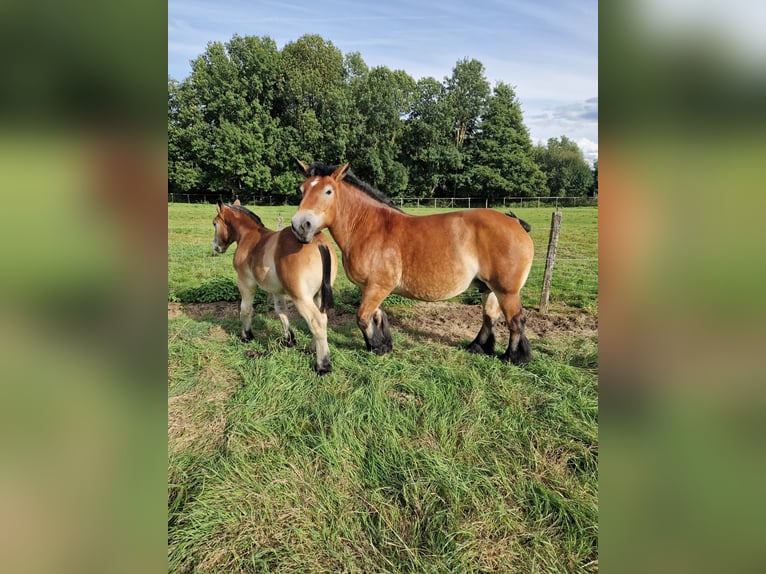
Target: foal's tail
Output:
[(327, 298), (527, 227)]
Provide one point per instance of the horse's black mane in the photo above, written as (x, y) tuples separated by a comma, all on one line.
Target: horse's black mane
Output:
[(249, 213), (320, 169)]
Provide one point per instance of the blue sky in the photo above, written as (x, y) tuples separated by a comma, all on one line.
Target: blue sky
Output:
[(546, 50)]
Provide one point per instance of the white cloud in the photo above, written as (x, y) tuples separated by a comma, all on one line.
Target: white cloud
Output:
[(589, 149), (578, 120)]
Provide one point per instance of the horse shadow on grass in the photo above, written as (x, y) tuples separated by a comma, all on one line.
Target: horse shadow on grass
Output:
[(267, 330)]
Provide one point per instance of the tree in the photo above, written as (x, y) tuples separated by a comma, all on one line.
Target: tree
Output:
[(467, 93), (248, 108), (382, 98), (228, 97), (502, 160), (594, 188), (428, 146), (184, 171), (313, 108), (567, 172)]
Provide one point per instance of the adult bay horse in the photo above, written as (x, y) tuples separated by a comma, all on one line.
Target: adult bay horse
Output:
[(279, 264), (431, 257)]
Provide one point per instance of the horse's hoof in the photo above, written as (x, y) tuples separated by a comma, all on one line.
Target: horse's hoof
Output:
[(475, 348), (246, 336), (517, 359)]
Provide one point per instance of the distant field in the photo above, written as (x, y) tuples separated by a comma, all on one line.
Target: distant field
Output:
[(427, 459)]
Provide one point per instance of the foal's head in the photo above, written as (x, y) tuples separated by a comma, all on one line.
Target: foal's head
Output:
[(223, 235), (317, 208)]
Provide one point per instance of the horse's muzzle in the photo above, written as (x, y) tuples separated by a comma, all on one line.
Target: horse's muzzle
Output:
[(303, 229), (300, 236)]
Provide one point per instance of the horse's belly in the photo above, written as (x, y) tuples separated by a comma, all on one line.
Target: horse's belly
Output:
[(434, 289)]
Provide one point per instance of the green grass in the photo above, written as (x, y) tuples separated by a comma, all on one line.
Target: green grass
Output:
[(428, 459)]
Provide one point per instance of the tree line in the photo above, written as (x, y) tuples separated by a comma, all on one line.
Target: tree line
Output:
[(247, 109)]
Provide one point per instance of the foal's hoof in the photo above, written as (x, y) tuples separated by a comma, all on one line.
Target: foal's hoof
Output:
[(246, 336), (323, 370), (288, 341)]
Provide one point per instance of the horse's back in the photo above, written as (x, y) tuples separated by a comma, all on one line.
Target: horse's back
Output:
[(469, 228)]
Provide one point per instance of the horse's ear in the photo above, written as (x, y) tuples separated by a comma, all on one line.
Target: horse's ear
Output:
[(220, 206), (236, 202), (304, 169), (340, 173)]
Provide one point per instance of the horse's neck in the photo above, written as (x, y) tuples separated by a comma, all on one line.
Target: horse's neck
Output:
[(356, 214), (242, 227)]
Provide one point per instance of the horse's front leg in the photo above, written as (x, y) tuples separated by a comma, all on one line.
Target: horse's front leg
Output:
[(317, 322), (247, 292), (373, 321)]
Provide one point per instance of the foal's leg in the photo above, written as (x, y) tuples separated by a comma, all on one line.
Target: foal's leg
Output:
[(484, 343), (281, 308), (518, 351), (317, 322), (373, 321), (247, 292)]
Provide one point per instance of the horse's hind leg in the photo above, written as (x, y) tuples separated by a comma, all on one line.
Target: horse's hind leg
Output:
[(518, 351), (317, 322), (373, 321), (484, 343), (281, 308)]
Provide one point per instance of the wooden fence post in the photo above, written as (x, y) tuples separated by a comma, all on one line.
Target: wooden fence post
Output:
[(550, 259)]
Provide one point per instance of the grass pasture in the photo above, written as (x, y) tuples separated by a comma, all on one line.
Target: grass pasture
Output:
[(428, 459)]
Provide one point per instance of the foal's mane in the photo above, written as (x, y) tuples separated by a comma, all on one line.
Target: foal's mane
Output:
[(247, 212), (320, 169)]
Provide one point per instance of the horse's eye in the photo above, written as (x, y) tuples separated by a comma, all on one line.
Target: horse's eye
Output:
[(328, 192)]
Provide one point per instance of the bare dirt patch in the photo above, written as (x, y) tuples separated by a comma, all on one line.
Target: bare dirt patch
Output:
[(446, 322), (449, 322), (219, 310)]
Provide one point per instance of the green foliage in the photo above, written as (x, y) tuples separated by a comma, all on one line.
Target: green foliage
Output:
[(564, 165), (248, 108), (503, 163), (467, 91), (218, 289)]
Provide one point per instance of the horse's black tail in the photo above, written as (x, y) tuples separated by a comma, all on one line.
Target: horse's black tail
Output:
[(327, 298), (527, 227)]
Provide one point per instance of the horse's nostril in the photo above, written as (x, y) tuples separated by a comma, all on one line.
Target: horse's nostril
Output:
[(306, 226)]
